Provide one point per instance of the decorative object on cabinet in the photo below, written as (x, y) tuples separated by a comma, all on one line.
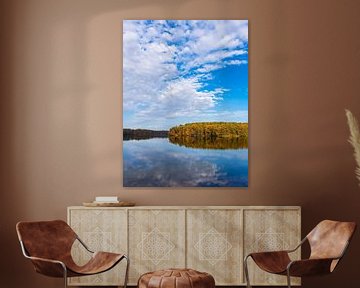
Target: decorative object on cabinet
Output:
[(354, 140), (185, 102), (204, 238), (328, 242), (109, 204), (48, 245), (176, 278), (108, 201)]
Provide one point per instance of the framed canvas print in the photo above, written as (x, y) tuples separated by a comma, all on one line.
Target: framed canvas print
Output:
[(185, 103)]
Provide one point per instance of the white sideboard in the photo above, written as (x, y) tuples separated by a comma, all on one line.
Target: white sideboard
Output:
[(213, 239)]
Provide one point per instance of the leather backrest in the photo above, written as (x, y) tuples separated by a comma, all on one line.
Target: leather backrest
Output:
[(329, 238), (46, 239)]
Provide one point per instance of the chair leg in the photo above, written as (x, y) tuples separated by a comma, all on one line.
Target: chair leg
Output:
[(127, 271), (65, 276), (288, 278), (246, 270)]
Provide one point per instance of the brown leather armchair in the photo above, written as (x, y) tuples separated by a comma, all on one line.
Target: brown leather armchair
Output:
[(328, 242), (48, 245)]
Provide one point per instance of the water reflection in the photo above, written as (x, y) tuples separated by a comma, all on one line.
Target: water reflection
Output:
[(211, 143), (158, 163)]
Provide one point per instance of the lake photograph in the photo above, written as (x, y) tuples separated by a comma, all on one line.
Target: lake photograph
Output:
[(185, 103)]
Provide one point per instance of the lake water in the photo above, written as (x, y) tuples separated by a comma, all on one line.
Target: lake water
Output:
[(158, 163)]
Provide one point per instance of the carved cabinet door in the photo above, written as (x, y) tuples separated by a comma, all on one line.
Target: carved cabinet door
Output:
[(156, 240), (101, 230), (271, 230), (214, 244)]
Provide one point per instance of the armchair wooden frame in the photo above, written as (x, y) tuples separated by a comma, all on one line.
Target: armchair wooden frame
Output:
[(321, 260), (65, 267)]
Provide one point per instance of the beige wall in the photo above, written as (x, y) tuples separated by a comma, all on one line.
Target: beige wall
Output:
[(61, 103)]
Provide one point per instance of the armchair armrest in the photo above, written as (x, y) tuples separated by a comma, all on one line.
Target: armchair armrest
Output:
[(84, 245), (314, 266), (279, 252), (271, 261), (309, 267), (298, 246), (49, 267)]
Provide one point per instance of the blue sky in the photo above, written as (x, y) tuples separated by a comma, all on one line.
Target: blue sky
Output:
[(183, 71)]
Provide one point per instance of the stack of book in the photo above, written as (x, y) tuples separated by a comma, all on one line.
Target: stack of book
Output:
[(106, 199)]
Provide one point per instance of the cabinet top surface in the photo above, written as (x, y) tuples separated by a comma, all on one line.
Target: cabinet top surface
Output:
[(192, 207)]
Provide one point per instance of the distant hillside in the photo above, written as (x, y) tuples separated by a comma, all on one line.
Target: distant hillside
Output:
[(141, 134), (210, 130)]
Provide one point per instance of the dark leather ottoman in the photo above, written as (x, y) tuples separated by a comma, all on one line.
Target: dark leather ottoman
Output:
[(176, 278)]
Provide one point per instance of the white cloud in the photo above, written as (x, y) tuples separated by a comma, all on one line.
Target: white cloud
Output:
[(236, 62), (219, 34), (181, 97), (209, 67), (146, 67)]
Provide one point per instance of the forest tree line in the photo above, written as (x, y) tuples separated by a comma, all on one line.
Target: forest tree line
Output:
[(210, 130), (142, 134)]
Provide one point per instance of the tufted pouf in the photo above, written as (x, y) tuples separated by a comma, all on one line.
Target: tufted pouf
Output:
[(176, 278)]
